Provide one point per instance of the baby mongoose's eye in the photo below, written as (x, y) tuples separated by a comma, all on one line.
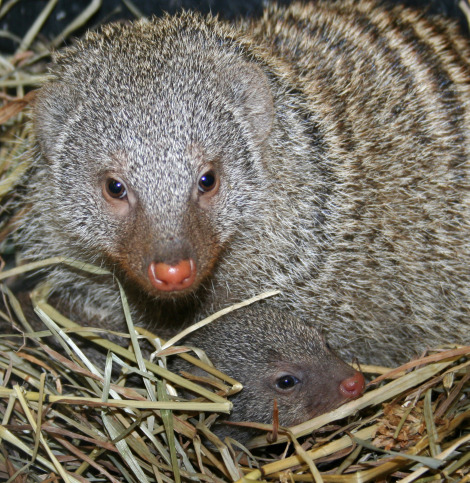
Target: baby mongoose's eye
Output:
[(115, 188), (207, 182), (286, 382)]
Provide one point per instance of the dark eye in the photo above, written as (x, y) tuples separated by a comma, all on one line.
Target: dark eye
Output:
[(116, 189), (207, 182), (286, 382)]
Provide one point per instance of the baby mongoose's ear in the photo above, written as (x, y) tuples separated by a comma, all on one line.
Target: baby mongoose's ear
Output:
[(252, 92)]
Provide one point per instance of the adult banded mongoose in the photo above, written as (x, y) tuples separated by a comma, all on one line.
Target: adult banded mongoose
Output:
[(321, 150), (275, 356)]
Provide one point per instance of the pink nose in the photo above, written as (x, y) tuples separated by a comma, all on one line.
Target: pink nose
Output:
[(169, 278), (353, 386)]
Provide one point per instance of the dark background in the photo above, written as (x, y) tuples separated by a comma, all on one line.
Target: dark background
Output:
[(19, 18)]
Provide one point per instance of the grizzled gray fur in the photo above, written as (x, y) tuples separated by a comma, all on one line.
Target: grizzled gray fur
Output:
[(321, 150), (275, 356)]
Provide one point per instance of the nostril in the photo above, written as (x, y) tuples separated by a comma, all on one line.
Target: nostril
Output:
[(166, 277), (353, 386)]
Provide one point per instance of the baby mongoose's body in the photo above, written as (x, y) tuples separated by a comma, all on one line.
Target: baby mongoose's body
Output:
[(275, 356), (321, 150)]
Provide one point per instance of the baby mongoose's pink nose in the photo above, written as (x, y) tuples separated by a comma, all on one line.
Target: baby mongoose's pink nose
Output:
[(353, 386), (169, 278)]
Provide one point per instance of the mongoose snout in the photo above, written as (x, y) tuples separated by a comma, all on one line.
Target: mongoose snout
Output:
[(353, 386), (168, 278)]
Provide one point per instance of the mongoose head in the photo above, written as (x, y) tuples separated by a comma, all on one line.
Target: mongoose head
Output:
[(152, 146), (275, 356)]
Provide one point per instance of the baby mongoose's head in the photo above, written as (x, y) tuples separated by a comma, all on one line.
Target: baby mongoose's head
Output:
[(275, 356), (152, 133)]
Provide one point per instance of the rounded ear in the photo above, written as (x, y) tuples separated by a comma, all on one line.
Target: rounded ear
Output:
[(252, 92), (51, 114)]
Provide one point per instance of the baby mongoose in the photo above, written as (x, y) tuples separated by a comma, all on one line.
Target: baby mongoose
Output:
[(321, 150), (275, 356)]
